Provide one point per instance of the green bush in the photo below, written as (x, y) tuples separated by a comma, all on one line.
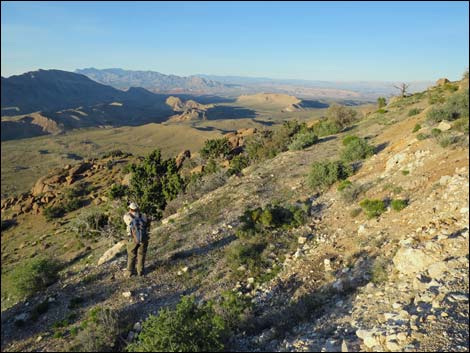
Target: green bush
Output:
[(378, 272), (348, 139), (34, 275), (414, 111), (303, 140), (248, 253), (324, 174), (381, 102), (416, 128), (343, 185), (422, 136), (211, 166), (372, 208), (53, 212), (341, 115), (398, 205), (237, 164), (188, 328), (405, 172), (456, 107), (381, 111), (154, 182), (215, 148), (72, 205), (99, 332), (234, 308), (435, 132), (356, 149), (117, 191), (326, 127)]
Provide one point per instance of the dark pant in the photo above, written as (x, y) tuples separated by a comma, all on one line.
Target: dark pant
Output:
[(136, 251)]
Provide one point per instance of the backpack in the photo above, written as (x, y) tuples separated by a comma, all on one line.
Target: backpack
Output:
[(137, 229)]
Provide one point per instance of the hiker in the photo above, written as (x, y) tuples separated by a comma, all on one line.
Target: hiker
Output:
[(136, 223)]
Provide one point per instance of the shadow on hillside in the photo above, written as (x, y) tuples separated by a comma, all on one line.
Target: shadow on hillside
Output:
[(229, 112), (379, 148), (205, 99), (203, 250), (306, 103)]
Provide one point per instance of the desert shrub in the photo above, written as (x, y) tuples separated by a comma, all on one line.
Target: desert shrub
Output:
[(154, 182), (116, 153), (249, 254), (351, 192), (372, 208), (72, 204), (381, 111), (422, 136), (456, 107), (416, 128), (211, 166), (117, 191), (356, 149), (234, 308), (355, 212), (436, 97), (343, 185), (414, 111), (341, 115), (348, 139), (447, 139), (435, 132), (99, 332), (398, 205), (461, 125), (378, 272), (405, 172), (188, 328), (381, 102), (324, 174), (215, 148), (272, 216), (34, 275), (77, 191), (326, 127), (53, 212), (237, 164), (303, 140)]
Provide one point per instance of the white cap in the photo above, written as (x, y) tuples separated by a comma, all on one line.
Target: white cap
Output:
[(133, 206)]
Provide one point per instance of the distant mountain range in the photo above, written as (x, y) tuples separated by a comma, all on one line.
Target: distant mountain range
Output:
[(153, 81)]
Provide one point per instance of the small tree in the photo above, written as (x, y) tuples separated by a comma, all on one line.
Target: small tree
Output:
[(381, 102), (402, 87)]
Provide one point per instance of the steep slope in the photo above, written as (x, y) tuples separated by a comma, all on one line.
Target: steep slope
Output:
[(390, 283)]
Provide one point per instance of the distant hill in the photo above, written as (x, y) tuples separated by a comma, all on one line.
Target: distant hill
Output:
[(152, 80), (68, 100)]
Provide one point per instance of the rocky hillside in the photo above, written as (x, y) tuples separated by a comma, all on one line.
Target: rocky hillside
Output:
[(375, 263), (189, 110)]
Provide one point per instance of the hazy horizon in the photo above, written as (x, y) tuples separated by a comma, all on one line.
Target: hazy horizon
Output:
[(312, 41)]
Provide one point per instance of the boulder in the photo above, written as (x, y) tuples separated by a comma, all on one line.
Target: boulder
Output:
[(111, 253), (198, 169), (182, 156), (444, 126), (79, 168), (442, 82), (410, 261)]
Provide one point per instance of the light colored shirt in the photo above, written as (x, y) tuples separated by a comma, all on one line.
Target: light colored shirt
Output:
[(128, 217)]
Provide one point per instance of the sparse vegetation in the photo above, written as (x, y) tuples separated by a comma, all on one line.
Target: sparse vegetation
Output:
[(117, 191), (351, 192), (416, 128), (372, 208), (215, 148), (378, 272), (454, 108), (381, 102), (341, 115), (303, 140), (188, 328), (422, 136), (237, 164)]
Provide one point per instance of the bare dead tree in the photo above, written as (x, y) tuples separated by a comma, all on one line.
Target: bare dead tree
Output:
[(402, 87)]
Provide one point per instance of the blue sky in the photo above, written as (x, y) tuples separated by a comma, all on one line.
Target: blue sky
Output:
[(336, 41)]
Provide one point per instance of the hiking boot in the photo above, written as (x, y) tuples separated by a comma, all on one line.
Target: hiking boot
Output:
[(141, 274)]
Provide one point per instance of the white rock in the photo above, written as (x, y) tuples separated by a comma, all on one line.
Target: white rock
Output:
[(409, 261), (444, 126), (251, 280), (302, 240), (437, 269), (126, 294), (137, 327), (112, 252), (327, 264)]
